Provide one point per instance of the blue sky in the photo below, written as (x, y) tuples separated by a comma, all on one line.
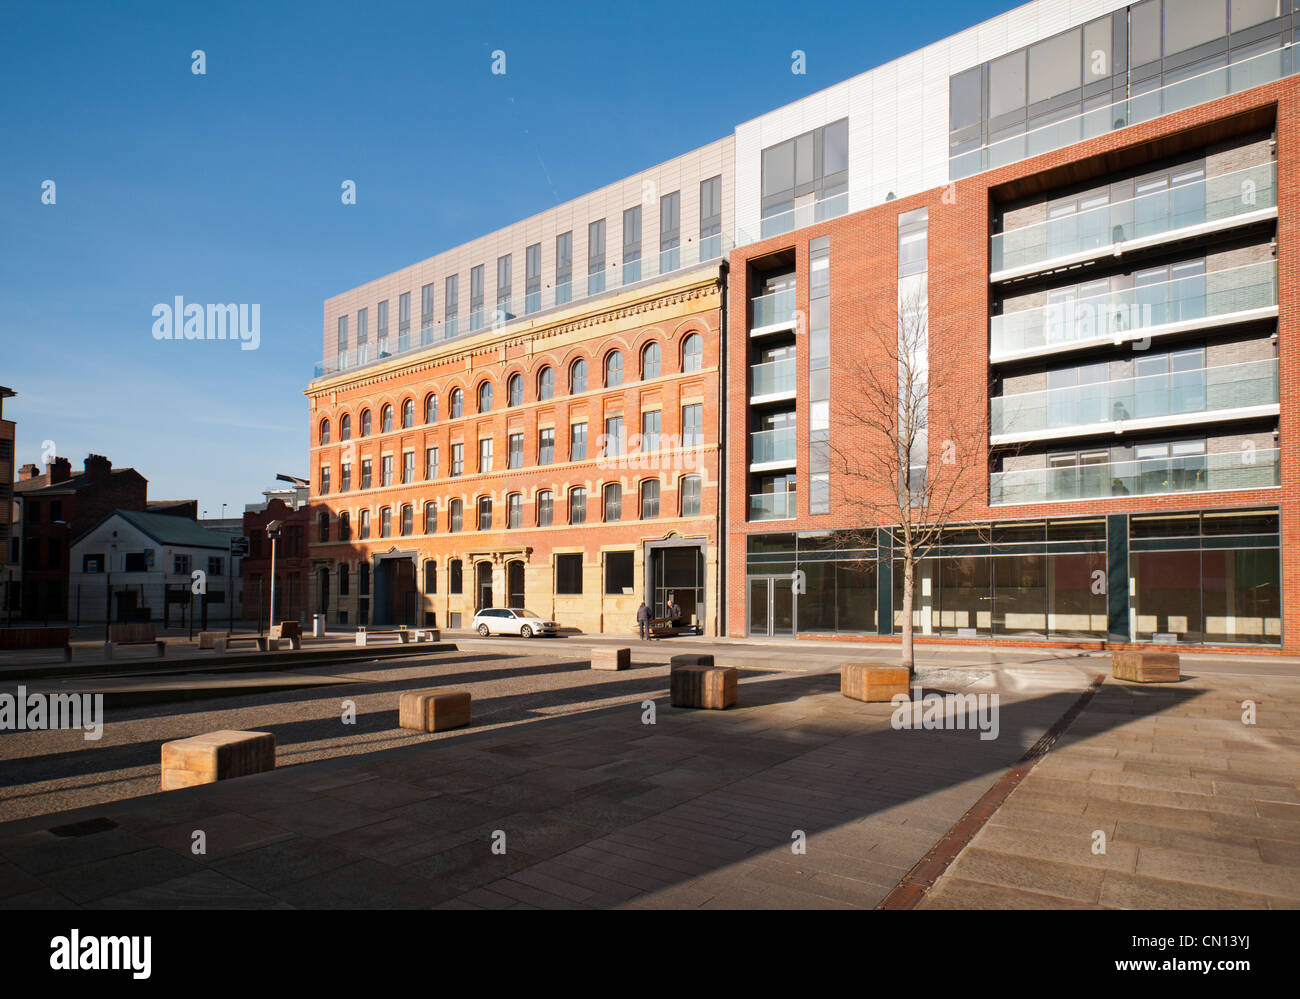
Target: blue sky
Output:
[(225, 187)]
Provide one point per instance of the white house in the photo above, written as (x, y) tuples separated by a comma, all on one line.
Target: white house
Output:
[(156, 567)]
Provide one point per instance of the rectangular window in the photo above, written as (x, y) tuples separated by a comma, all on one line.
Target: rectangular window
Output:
[(596, 257), (363, 327), (691, 496), (546, 446), (345, 477), (451, 298), (514, 511), (485, 454), (381, 320), (403, 312), (533, 278), (711, 218), (476, 298), (545, 508), (343, 334), (802, 173), (430, 576), (613, 435), (563, 268), (387, 470), (632, 245), (455, 580), (613, 502), (431, 463), (365, 473), (515, 451), (577, 506), (365, 526), (324, 481), (670, 232), (181, 565), (693, 425), (426, 305), (408, 466), (577, 442), (503, 283), (457, 459), (620, 573), (651, 422), (568, 573)]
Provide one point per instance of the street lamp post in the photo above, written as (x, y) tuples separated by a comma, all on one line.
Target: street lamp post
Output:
[(108, 597), (272, 532)]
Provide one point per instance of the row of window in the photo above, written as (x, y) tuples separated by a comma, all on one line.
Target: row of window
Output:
[(651, 367), (689, 504), (619, 575), (612, 444)]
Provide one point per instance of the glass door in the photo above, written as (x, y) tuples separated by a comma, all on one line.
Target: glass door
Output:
[(772, 609)]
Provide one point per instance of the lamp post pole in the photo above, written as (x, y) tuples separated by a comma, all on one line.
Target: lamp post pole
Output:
[(273, 532)]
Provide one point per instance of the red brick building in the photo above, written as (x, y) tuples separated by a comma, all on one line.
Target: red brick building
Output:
[(292, 563)]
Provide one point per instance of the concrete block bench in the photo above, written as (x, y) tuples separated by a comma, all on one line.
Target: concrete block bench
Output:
[(364, 638), (216, 756), (434, 710), (289, 632), (611, 658), (704, 686), (1145, 667), (867, 681), (408, 635), (16, 639), (262, 642), (132, 634), (208, 639), (691, 659)]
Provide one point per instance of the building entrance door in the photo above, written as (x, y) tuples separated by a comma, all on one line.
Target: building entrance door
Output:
[(515, 584), (483, 585), (771, 607), (677, 573)]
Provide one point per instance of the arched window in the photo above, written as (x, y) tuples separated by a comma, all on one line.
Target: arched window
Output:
[(431, 408), (578, 377), (515, 391), (485, 513), (365, 523), (408, 520), (613, 502), (455, 510), (577, 505), (345, 427), (514, 510), (431, 576), (545, 508), (689, 492), (365, 423), (613, 369), (345, 527), (386, 420), (649, 499), (324, 431), (431, 518), (385, 522), (324, 521), (457, 404), (546, 383), (408, 414), (650, 361), (692, 352), (485, 397)]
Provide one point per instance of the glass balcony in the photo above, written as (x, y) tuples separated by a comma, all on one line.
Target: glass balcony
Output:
[(1233, 79), (772, 378), (796, 218), (1159, 213), (535, 304), (771, 506), (775, 307), (772, 446), (1244, 469), (1120, 313), (1203, 390)]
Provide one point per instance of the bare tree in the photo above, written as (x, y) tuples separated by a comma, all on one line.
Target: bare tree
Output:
[(910, 444)]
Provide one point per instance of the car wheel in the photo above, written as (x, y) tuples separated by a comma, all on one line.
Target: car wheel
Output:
[(483, 630), (525, 632)]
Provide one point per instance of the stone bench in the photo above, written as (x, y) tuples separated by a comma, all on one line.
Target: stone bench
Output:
[(16, 639), (1145, 667), (611, 658), (263, 643), (132, 634), (208, 639), (408, 635), (434, 710), (702, 686), (867, 681), (691, 659), (216, 756), (285, 631), (364, 638)]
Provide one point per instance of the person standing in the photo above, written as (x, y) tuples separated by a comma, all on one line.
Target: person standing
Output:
[(643, 620)]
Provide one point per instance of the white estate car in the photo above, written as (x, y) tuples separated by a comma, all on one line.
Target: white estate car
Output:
[(516, 621)]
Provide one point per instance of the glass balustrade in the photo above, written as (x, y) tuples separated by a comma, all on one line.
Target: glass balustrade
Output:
[(772, 377), (774, 307), (771, 506), (772, 445)]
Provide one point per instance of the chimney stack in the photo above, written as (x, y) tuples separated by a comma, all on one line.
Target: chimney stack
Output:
[(60, 470), (97, 467), (28, 471)]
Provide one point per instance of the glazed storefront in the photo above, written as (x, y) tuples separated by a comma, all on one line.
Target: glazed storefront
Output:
[(1211, 577)]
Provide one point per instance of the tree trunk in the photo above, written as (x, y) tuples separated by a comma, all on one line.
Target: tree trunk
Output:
[(909, 580)]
